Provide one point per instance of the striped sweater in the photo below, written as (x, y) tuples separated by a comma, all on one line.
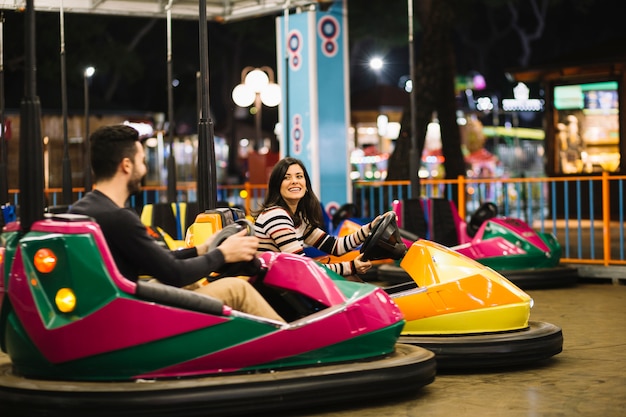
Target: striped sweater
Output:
[(277, 233)]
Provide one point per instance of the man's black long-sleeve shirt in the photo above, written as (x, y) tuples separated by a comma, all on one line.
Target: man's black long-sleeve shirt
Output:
[(136, 252)]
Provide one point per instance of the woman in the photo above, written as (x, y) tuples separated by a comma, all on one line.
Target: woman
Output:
[(291, 216)]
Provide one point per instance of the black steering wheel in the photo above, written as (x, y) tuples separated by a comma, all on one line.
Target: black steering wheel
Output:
[(384, 241), (486, 211), (236, 268)]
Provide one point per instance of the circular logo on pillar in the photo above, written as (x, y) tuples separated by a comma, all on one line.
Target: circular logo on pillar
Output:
[(294, 47), (330, 48), (331, 208), (294, 42), (328, 31), (297, 134), (294, 62)]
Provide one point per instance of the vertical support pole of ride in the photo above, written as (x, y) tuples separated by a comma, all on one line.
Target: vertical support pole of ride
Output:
[(207, 184), (413, 154), (171, 161), (67, 167), (4, 182), (31, 148)]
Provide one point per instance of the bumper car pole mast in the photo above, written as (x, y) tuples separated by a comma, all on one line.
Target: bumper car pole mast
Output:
[(171, 161), (207, 183), (31, 149), (67, 167), (4, 182), (413, 154), (286, 135)]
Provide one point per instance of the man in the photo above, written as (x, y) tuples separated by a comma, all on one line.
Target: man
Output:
[(118, 165)]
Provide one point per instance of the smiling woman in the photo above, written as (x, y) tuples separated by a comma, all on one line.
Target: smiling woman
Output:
[(291, 217)]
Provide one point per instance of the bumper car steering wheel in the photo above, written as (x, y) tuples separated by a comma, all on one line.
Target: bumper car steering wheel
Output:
[(242, 268), (384, 241)]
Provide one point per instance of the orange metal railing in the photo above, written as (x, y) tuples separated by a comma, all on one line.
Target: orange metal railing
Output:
[(585, 213)]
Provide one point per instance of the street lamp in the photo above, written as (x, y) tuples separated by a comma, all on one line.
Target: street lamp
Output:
[(376, 64), (258, 87), (87, 74)]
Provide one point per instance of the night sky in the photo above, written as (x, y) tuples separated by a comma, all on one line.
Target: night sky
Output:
[(571, 30)]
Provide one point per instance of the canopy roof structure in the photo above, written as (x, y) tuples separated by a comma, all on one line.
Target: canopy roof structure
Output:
[(218, 10)]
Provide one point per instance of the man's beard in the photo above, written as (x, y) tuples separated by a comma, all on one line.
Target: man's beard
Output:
[(134, 183)]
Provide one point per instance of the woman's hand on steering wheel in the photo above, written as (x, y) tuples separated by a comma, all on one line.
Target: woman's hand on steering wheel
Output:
[(380, 218), (394, 248), (361, 266)]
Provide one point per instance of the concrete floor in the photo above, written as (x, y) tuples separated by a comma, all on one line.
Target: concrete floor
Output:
[(587, 379)]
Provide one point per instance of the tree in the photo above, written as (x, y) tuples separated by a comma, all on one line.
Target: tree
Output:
[(434, 88), (483, 29)]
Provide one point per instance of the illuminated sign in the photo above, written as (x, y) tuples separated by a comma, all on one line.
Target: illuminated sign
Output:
[(592, 96), (521, 102)]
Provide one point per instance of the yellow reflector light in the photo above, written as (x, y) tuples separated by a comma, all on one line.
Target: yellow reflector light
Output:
[(243, 194), (65, 300), (45, 260)]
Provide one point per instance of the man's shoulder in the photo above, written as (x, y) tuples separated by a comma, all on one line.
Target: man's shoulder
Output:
[(102, 209), (92, 198)]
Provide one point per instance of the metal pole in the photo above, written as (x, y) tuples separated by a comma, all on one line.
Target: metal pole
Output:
[(31, 203), (414, 157), (67, 169), (171, 161), (87, 144), (198, 97), (207, 184), (258, 104), (4, 172), (286, 132)]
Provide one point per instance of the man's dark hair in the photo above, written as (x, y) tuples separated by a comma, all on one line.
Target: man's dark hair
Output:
[(109, 146)]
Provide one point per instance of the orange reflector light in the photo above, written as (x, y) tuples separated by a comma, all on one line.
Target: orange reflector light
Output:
[(65, 300), (45, 260)]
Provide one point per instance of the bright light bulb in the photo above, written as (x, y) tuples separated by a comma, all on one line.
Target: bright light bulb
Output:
[(271, 95), (89, 71), (257, 80), (376, 63), (243, 95)]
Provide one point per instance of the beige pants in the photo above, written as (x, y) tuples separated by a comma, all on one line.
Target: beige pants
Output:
[(240, 295)]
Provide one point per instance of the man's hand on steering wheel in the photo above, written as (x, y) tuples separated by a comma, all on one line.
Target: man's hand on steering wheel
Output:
[(239, 247), (204, 247)]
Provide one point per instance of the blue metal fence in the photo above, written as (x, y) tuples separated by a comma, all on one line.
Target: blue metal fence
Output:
[(586, 214)]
